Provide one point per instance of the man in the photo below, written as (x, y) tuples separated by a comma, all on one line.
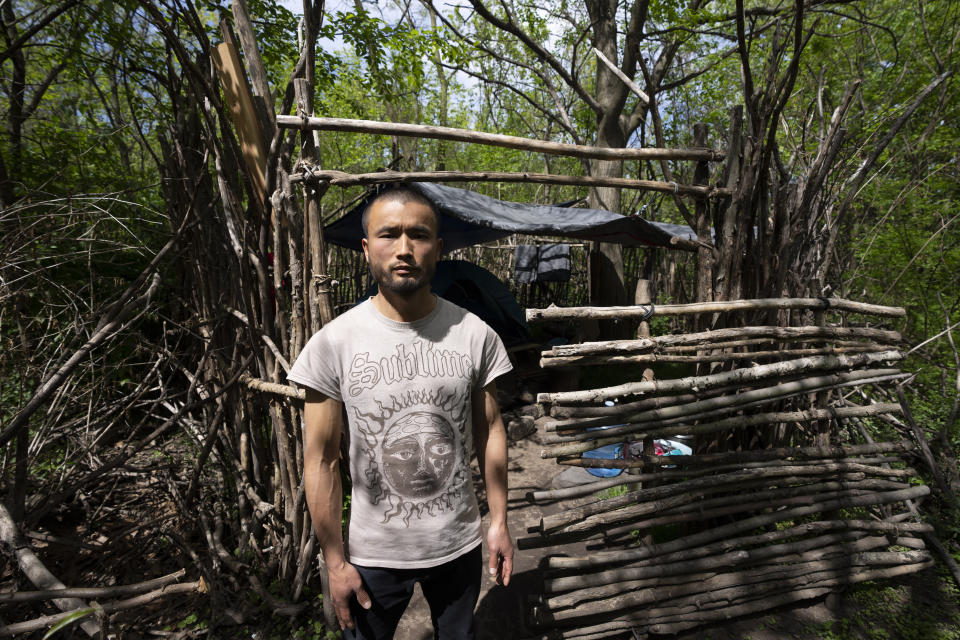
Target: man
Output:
[(415, 374)]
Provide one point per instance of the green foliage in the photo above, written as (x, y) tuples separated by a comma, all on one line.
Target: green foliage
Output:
[(192, 621), (922, 609), (75, 616), (612, 492)]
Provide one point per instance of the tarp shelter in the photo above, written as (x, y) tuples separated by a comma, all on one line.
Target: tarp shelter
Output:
[(470, 218)]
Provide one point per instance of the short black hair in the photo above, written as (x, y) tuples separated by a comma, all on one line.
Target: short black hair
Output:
[(402, 195)]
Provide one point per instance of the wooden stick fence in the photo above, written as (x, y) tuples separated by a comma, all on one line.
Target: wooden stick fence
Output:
[(288, 225), (772, 383), (775, 379)]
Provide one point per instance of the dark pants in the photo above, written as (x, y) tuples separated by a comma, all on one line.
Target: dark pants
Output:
[(451, 590)]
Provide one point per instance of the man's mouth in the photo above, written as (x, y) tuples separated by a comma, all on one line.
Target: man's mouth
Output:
[(405, 270)]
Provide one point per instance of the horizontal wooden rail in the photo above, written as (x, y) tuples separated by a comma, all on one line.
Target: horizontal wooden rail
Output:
[(493, 139), (742, 376), (272, 387), (721, 338), (640, 311), (343, 179)]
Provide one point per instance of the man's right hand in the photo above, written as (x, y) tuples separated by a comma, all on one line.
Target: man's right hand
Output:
[(345, 583)]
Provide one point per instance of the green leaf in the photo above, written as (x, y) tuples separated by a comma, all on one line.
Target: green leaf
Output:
[(73, 617)]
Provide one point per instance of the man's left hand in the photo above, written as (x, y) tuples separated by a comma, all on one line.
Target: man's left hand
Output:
[(501, 553)]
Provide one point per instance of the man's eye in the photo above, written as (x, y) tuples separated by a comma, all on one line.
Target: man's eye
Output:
[(440, 449)]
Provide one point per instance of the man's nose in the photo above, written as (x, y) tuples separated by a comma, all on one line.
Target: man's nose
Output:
[(404, 245)]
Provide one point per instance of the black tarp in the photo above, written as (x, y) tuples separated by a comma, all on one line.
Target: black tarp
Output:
[(471, 218)]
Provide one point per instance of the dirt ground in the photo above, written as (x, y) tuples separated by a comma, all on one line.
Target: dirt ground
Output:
[(920, 607)]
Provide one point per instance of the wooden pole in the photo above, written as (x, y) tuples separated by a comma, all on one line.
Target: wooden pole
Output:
[(893, 531), (712, 462), (19, 628), (600, 516), (723, 338), (695, 488), (711, 542), (808, 549), (722, 585), (493, 139), (262, 98), (650, 358), (747, 524), (36, 572), (717, 594), (723, 510), (321, 307), (632, 432), (837, 304), (739, 376), (343, 179), (702, 227), (272, 387), (92, 592), (705, 408)]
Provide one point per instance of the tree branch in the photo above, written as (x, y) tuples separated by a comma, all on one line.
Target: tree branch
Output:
[(537, 50), (33, 30)]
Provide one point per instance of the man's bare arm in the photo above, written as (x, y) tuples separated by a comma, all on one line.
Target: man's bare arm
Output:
[(324, 493), (490, 442)]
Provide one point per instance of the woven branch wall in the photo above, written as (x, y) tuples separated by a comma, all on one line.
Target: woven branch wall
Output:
[(680, 541)]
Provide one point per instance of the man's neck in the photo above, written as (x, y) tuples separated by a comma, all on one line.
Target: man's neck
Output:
[(405, 308)]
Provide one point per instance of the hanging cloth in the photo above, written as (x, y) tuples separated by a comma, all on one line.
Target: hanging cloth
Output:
[(554, 263), (525, 258)]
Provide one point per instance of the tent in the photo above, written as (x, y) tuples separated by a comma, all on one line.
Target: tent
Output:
[(469, 218)]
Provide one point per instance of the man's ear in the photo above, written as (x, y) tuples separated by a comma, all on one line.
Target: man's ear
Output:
[(363, 245), (439, 247)]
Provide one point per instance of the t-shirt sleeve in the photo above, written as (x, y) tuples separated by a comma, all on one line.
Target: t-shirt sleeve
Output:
[(318, 367), (495, 362)]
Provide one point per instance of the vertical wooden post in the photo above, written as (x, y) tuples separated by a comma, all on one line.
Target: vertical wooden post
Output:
[(321, 309), (705, 257), (642, 295), (820, 402), (262, 100), (727, 210), (590, 328)]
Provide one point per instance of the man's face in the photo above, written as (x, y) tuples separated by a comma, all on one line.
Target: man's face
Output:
[(401, 246)]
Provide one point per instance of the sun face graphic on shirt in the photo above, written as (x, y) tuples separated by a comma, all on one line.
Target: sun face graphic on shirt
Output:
[(417, 456)]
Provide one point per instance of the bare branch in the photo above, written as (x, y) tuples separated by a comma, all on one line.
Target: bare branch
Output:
[(538, 51)]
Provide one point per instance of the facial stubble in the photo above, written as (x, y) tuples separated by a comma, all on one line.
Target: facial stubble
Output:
[(403, 285)]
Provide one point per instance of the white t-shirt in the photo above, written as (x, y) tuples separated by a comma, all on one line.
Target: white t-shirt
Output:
[(407, 390)]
